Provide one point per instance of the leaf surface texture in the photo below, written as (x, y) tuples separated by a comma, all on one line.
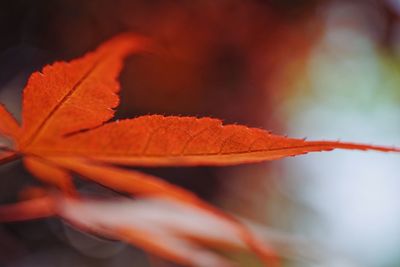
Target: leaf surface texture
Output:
[(173, 141), (71, 96)]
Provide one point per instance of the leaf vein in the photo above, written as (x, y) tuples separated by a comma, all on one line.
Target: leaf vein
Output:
[(42, 125)]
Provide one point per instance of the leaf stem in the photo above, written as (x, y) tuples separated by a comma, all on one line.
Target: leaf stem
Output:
[(12, 155)]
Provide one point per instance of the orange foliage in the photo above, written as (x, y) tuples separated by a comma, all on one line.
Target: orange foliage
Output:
[(65, 130), (81, 94), (176, 141)]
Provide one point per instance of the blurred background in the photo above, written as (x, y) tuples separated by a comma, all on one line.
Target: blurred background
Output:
[(321, 69)]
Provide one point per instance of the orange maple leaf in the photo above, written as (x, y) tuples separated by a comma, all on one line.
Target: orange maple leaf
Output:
[(64, 130)]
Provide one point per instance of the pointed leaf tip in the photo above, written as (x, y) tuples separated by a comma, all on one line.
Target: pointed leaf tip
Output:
[(71, 96), (174, 141)]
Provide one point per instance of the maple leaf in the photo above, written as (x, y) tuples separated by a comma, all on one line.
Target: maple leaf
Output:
[(65, 130), (177, 230)]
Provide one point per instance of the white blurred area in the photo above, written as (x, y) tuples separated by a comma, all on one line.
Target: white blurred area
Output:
[(351, 93)]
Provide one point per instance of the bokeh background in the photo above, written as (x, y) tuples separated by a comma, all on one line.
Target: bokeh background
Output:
[(321, 69)]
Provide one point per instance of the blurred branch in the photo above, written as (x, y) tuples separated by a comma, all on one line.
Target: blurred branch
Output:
[(7, 155)]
